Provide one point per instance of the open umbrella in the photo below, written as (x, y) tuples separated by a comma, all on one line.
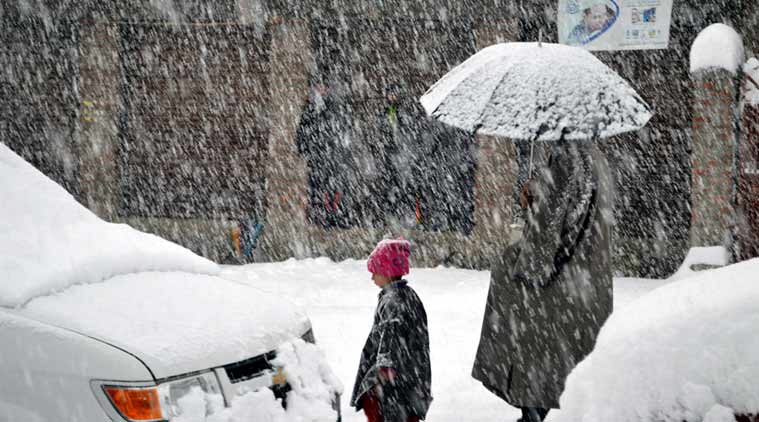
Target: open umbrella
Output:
[(536, 92), (542, 312)]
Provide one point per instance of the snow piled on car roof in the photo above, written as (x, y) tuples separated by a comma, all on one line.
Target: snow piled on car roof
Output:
[(48, 241), (683, 352)]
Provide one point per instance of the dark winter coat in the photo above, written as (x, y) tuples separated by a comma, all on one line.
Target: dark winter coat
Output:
[(398, 340), (429, 164), (550, 292), (323, 138)]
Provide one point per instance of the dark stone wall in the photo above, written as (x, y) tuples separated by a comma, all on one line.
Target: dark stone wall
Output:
[(195, 129), (38, 98), (41, 109)]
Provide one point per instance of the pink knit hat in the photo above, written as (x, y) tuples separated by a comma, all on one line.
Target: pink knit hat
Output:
[(390, 258)]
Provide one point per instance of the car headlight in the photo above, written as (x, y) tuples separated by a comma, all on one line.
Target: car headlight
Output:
[(198, 394)]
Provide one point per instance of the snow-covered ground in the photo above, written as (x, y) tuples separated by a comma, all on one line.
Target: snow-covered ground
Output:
[(340, 299)]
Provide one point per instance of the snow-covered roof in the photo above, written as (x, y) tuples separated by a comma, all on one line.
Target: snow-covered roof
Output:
[(48, 241), (718, 46), (536, 91), (684, 350)]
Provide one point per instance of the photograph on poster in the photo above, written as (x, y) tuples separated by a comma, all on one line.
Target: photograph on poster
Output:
[(615, 24), (596, 17)]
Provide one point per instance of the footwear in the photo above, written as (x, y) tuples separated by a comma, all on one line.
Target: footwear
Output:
[(533, 414)]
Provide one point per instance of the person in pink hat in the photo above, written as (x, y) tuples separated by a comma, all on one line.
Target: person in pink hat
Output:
[(393, 383)]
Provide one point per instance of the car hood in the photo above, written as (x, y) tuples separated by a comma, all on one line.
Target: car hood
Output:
[(176, 323)]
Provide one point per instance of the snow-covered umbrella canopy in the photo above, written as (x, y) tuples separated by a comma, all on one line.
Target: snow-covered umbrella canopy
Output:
[(534, 91)]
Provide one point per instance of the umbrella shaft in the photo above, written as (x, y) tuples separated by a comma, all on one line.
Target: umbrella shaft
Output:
[(532, 148)]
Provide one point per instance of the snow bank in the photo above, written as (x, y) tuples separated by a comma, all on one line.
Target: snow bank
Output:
[(684, 352), (715, 256), (48, 241), (717, 46), (341, 299), (313, 387)]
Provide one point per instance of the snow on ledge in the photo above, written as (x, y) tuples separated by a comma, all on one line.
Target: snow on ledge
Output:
[(751, 69), (713, 256), (717, 46), (48, 241)]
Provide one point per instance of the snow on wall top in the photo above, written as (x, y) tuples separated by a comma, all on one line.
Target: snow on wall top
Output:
[(531, 91), (48, 241), (717, 46), (751, 68), (675, 354), (715, 256)]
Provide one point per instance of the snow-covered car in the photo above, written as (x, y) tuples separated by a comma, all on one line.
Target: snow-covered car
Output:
[(100, 322), (685, 352)]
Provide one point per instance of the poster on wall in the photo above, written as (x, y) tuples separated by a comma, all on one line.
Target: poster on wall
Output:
[(615, 24)]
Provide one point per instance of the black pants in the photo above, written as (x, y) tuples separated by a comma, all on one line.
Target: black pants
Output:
[(533, 414)]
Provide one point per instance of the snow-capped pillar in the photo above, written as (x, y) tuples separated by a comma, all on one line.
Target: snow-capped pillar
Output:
[(715, 62), (285, 233), (101, 105)]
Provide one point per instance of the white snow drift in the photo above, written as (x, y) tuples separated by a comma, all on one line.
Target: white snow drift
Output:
[(684, 352), (49, 242), (313, 387), (84, 301)]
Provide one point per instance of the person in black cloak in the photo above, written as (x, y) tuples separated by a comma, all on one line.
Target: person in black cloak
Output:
[(430, 167), (393, 381), (323, 138), (551, 292)]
